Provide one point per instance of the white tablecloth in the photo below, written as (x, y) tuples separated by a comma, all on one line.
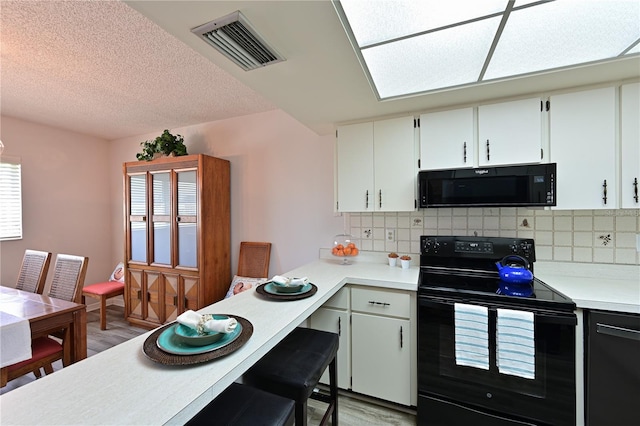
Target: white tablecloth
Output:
[(15, 339)]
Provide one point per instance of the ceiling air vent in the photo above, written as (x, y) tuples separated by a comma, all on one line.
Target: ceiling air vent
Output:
[(235, 38)]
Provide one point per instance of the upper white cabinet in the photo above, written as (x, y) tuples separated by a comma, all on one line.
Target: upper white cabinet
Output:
[(630, 145), (507, 133), (376, 166), (446, 139), (510, 133), (583, 144)]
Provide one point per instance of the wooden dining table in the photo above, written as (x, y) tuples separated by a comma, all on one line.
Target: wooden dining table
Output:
[(47, 315)]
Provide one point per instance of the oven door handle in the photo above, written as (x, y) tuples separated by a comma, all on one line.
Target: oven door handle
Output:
[(565, 318)]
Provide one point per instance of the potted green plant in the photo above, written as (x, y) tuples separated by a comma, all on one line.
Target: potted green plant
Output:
[(165, 144)]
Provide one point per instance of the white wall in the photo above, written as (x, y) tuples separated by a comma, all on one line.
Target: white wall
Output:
[(281, 183), (65, 193)]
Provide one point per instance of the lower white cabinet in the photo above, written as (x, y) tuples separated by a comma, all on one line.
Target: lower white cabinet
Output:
[(334, 316), (377, 338), (381, 360)]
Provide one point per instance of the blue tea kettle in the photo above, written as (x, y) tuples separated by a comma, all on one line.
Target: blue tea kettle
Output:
[(515, 277)]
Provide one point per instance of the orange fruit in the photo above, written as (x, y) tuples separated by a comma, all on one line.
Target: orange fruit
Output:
[(351, 245), (354, 251), (347, 251)]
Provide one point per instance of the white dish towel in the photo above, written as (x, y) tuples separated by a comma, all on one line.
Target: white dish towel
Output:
[(472, 337), (515, 343)]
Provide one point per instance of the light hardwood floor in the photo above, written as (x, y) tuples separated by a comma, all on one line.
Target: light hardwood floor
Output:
[(351, 411)]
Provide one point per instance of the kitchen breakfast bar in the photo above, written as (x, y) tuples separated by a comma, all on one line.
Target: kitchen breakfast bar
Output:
[(122, 386)]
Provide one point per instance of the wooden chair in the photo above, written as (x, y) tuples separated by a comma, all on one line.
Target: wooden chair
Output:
[(33, 271), (254, 259), (45, 351), (68, 277), (103, 291)]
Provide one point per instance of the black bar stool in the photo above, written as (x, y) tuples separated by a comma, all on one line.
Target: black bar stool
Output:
[(292, 369), (241, 405)]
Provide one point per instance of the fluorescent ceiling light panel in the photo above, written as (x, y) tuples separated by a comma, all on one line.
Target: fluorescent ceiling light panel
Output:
[(409, 47), (564, 33), (375, 21), (445, 58)]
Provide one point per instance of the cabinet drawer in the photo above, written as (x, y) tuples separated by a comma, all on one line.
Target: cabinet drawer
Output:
[(340, 300), (382, 302)]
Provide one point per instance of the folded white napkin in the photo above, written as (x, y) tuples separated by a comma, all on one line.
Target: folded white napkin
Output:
[(289, 281), (195, 321)]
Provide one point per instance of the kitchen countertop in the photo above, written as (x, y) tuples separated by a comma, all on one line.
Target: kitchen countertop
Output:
[(594, 286), (121, 386)]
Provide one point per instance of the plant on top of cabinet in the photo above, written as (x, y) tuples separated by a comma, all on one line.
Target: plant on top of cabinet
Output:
[(165, 144)]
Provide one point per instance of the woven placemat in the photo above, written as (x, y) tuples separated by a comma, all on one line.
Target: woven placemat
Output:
[(153, 352), (286, 296)]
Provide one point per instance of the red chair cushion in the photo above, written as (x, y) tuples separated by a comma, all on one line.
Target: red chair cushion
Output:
[(40, 348), (103, 288)]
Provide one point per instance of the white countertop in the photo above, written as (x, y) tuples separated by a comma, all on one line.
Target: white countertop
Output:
[(121, 386), (594, 286)]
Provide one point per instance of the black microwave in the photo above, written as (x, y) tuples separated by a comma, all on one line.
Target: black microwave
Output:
[(507, 186)]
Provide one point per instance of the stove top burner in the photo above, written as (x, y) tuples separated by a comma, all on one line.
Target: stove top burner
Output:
[(464, 267)]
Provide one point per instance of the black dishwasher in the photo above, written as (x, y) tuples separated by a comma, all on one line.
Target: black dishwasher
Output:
[(612, 369)]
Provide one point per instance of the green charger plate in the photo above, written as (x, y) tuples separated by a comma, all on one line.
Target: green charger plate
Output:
[(272, 288), (172, 343)]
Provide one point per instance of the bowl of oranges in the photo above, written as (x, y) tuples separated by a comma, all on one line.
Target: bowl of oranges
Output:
[(344, 247)]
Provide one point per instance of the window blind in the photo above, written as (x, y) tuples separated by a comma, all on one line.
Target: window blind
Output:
[(10, 199)]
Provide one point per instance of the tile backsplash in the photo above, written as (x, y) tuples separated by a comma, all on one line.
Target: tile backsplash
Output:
[(592, 236)]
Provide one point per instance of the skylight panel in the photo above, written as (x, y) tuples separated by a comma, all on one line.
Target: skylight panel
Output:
[(375, 21), (409, 47), (450, 57), (564, 33)]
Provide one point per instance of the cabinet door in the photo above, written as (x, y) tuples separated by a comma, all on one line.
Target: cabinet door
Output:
[(394, 164), (336, 321), (153, 297), (354, 157), (134, 295), (136, 192), (187, 218), (446, 139), (510, 133), (630, 153), (582, 143), (160, 232), (381, 357)]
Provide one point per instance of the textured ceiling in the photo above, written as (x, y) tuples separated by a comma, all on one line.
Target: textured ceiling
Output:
[(101, 68), (123, 68)]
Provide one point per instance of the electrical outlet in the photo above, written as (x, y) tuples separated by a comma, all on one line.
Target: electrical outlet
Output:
[(391, 235)]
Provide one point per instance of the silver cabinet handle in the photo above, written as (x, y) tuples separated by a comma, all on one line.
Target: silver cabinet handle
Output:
[(612, 330), (464, 148), (339, 326), (380, 198), (401, 343), (604, 192), (366, 200), (371, 302), (635, 189), (488, 150)]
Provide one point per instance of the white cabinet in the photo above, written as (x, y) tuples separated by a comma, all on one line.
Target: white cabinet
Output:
[(630, 145), (583, 144), (381, 337), (510, 133), (507, 133), (376, 167), (446, 139), (334, 316)]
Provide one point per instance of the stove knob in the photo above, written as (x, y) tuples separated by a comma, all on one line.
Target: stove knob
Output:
[(427, 245), (436, 247), (514, 248)]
